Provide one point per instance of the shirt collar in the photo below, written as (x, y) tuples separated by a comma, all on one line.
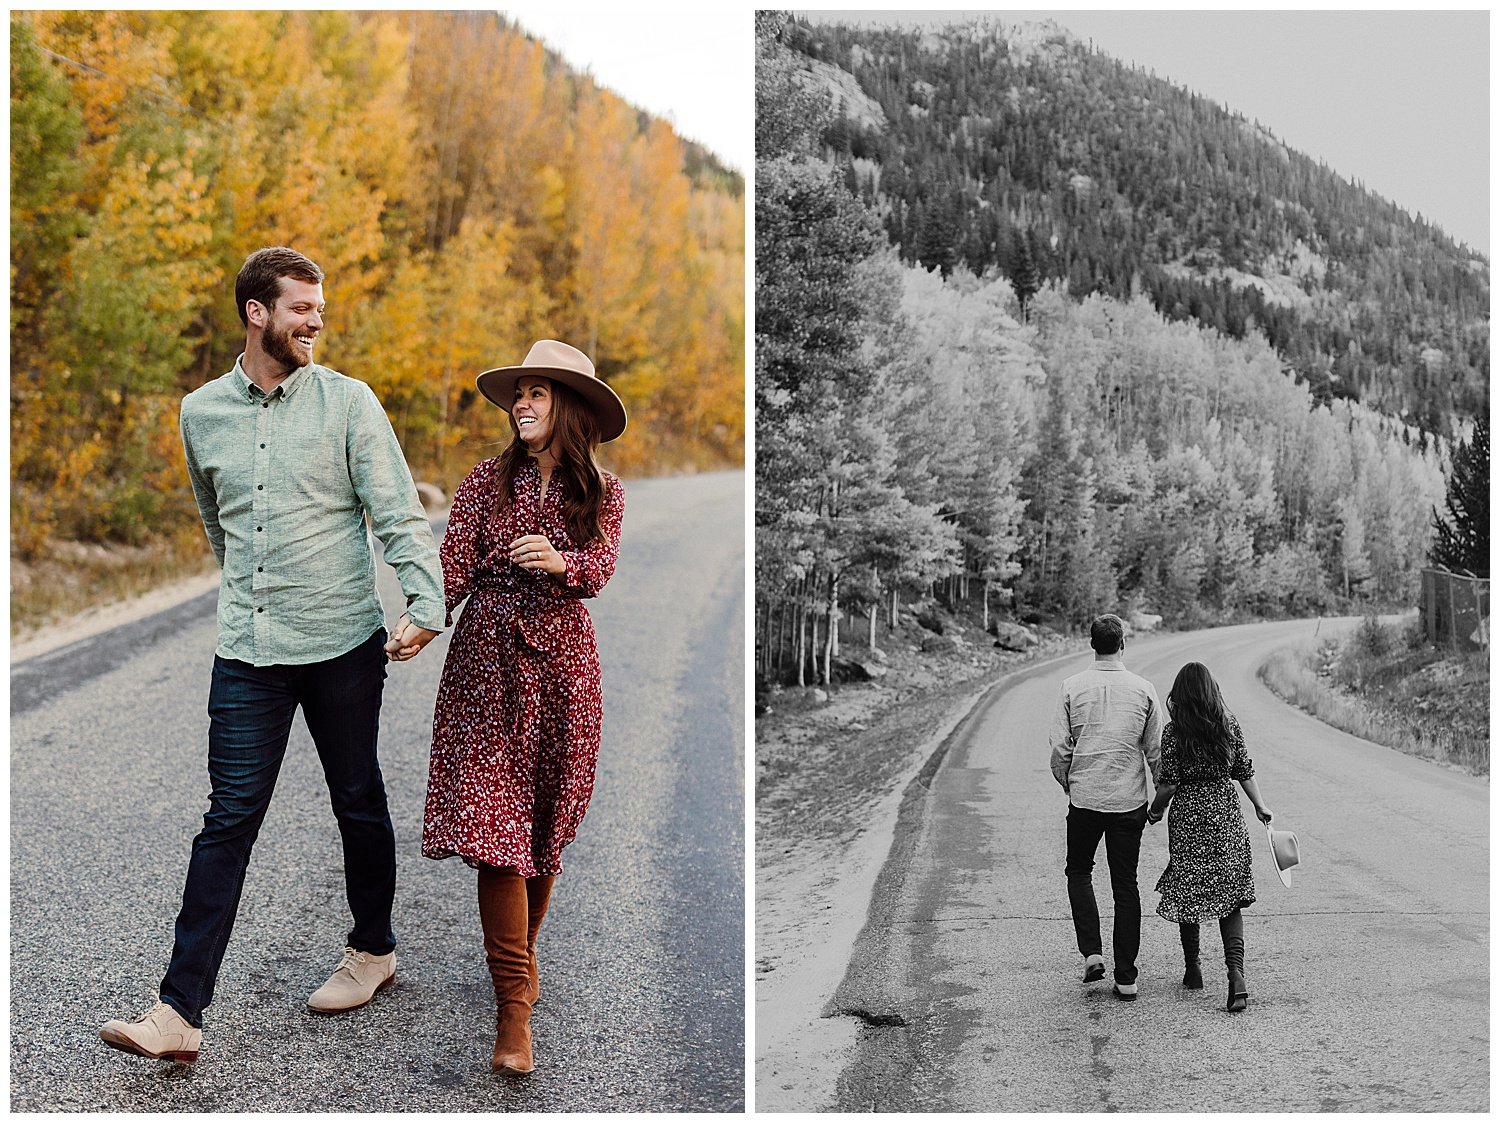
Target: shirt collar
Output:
[(251, 391), (1109, 664)]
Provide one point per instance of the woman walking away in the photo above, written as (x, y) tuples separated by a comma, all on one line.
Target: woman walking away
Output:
[(1208, 875), (515, 734)]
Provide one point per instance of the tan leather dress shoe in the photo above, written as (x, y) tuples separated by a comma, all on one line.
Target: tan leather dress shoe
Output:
[(357, 979), (161, 1033)]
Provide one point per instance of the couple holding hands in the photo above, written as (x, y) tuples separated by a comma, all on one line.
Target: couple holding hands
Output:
[(1107, 732), (287, 458)]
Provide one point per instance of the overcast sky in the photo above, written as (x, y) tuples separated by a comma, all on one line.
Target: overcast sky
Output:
[(1397, 100), (692, 66)]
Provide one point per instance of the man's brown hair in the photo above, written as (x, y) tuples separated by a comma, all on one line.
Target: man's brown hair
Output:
[(260, 276)]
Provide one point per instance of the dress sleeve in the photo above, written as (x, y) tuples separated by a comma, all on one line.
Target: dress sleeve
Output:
[(1240, 767), (460, 549), (1166, 776), (586, 570)]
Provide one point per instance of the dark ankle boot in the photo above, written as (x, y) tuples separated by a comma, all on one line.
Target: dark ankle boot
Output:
[(503, 915), (538, 894), (1192, 975), (1232, 929)]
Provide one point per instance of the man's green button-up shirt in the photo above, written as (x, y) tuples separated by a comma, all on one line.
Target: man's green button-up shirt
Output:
[(284, 482)]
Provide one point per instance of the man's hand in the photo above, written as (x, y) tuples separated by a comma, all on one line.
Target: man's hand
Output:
[(409, 638)]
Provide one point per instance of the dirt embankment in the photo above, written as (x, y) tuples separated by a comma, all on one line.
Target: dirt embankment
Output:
[(830, 767)]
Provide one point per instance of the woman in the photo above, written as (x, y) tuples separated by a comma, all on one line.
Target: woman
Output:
[(1208, 874), (515, 735)]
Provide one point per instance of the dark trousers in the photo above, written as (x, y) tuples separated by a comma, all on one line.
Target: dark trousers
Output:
[(1121, 832), (250, 718)]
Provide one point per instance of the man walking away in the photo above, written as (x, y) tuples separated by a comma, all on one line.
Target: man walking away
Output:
[(1105, 735), (286, 459)]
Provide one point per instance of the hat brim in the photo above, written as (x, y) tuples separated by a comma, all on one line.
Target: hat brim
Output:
[(499, 386), (1284, 874)]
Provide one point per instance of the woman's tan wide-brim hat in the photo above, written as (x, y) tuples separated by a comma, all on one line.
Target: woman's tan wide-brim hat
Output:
[(1284, 853), (550, 359)]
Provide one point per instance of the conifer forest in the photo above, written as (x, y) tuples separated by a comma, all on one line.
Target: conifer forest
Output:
[(1037, 328), (463, 190)]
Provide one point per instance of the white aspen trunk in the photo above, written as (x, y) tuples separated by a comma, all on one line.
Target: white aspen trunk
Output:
[(801, 632), (833, 630), (986, 594)]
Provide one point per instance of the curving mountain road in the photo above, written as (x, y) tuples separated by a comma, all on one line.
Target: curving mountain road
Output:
[(1369, 977), (643, 951)]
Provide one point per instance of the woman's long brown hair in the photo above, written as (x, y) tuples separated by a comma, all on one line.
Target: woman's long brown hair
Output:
[(1202, 722), (575, 435)]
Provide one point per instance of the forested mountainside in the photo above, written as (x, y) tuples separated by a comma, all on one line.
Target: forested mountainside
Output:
[(1020, 149), (1049, 454)]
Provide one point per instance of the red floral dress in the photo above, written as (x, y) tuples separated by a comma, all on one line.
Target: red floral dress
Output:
[(515, 734)]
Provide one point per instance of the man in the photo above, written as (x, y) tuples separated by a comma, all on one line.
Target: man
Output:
[(1106, 734), (287, 458)]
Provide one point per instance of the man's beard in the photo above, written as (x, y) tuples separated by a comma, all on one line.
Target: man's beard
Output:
[(279, 347)]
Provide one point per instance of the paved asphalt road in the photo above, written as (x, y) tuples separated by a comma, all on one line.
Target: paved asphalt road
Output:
[(1369, 977), (642, 954)]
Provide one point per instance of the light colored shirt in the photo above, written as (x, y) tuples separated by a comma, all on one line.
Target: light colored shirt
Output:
[(284, 482), (1105, 734)]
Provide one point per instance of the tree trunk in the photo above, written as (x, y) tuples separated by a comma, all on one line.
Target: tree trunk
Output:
[(833, 629), (801, 633)]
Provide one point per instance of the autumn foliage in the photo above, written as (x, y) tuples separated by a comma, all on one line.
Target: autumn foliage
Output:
[(464, 191)]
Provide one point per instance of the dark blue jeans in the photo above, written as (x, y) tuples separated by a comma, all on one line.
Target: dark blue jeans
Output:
[(1121, 832), (250, 717)]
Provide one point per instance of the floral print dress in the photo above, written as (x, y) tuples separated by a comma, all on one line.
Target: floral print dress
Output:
[(515, 732), (1208, 872)]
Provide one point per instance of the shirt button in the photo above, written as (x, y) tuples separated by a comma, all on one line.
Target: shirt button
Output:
[(262, 444), (265, 405), (260, 610), (260, 569), (260, 528), (260, 487)]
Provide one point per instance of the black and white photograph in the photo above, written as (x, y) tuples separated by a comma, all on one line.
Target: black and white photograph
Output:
[(1121, 561)]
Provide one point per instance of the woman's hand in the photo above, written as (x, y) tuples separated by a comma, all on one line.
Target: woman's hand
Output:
[(1264, 815), (533, 551)]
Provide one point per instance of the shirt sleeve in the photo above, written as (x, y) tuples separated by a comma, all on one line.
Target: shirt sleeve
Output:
[(203, 491), (384, 485), (1062, 740), (1167, 776), (1151, 735), (1240, 766), (460, 550), (586, 570)]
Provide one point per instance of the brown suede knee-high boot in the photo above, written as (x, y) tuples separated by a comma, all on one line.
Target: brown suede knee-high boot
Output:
[(538, 893), (503, 915)]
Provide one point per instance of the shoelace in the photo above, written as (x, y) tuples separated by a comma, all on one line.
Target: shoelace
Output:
[(351, 960), (157, 1009)]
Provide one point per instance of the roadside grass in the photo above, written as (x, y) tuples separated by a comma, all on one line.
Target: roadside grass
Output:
[(1380, 683), (73, 577)]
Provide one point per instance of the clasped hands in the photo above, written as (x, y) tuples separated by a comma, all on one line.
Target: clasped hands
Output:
[(408, 639), (530, 551)]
